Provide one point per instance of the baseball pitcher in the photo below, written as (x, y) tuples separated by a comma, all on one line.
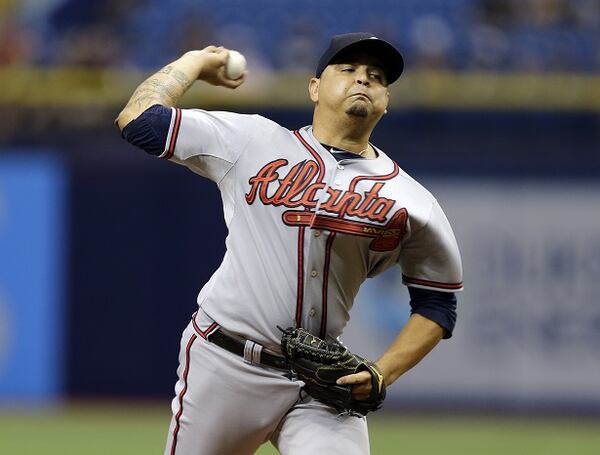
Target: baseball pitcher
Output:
[(311, 214)]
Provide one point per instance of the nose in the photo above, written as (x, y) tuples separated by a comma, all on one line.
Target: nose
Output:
[(362, 77)]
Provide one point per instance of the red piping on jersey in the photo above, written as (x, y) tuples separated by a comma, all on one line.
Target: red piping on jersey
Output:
[(174, 134), (204, 334), (182, 393), (314, 153), (358, 178), (300, 290), (357, 228), (326, 283), (433, 284)]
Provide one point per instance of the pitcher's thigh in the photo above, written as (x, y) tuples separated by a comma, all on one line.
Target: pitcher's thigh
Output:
[(224, 406), (314, 428)]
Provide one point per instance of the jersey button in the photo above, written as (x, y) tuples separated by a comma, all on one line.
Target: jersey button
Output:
[(317, 233), (340, 167), (314, 273), (338, 182), (312, 312)]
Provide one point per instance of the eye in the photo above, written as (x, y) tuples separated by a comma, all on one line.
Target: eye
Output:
[(348, 69)]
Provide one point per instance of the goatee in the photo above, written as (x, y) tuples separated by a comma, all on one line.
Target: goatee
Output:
[(357, 110)]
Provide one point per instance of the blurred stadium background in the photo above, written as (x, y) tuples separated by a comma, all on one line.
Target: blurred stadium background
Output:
[(103, 249)]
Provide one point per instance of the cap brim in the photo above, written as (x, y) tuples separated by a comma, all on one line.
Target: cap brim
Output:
[(390, 58)]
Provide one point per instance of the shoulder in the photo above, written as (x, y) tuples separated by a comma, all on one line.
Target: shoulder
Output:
[(416, 186), (255, 120), (408, 183)]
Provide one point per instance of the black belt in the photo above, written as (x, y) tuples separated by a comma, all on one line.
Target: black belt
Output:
[(250, 351)]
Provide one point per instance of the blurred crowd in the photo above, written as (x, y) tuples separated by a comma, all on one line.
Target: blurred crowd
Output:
[(497, 35)]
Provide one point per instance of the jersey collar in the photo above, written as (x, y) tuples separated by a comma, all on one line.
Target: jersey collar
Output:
[(380, 165)]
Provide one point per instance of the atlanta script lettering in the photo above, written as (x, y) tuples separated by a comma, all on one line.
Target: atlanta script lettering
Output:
[(299, 187)]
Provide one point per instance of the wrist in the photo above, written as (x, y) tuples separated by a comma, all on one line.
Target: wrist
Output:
[(192, 63), (390, 369)]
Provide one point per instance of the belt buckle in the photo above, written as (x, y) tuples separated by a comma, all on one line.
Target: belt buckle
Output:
[(252, 352)]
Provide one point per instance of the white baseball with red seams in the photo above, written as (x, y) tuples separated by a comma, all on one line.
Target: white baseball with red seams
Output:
[(304, 232)]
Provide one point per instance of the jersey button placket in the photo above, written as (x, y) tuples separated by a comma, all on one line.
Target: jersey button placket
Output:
[(314, 257), (330, 180)]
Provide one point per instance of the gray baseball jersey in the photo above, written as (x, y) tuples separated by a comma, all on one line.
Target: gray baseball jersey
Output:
[(304, 229)]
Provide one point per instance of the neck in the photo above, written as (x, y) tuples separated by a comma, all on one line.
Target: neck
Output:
[(347, 134)]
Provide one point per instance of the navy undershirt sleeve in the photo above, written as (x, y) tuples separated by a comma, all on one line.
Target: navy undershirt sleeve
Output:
[(437, 306), (150, 130)]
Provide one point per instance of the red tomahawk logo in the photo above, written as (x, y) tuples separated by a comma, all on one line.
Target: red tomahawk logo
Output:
[(385, 238)]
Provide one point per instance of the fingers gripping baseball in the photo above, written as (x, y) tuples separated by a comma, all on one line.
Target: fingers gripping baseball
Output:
[(213, 62)]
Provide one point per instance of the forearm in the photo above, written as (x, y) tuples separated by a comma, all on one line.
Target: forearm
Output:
[(418, 337), (165, 87)]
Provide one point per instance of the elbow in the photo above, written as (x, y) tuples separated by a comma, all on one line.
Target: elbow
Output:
[(129, 114), (148, 130), (439, 307)]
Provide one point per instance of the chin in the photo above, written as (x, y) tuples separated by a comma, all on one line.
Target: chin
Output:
[(358, 110)]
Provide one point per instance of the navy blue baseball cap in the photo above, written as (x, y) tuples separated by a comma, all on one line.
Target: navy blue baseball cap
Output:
[(389, 56)]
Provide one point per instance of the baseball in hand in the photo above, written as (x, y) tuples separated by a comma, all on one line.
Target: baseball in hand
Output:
[(235, 66)]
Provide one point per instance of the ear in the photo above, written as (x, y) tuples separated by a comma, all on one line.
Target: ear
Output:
[(313, 89), (387, 101)]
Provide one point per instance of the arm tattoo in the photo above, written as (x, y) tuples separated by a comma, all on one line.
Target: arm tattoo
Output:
[(164, 87), (170, 90), (166, 70), (157, 89), (180, 77)]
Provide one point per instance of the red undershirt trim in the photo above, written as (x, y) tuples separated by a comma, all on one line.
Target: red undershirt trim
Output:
[(174, 134), (433, 284), (182, 393)]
